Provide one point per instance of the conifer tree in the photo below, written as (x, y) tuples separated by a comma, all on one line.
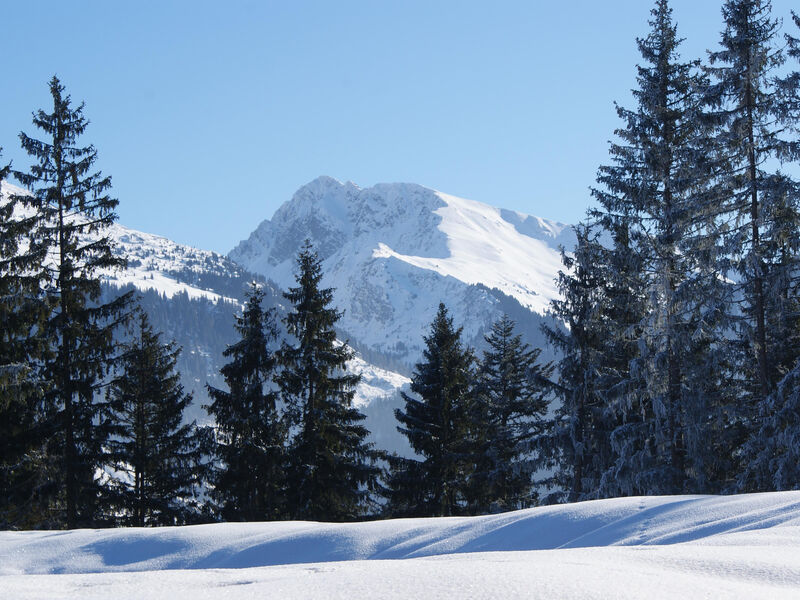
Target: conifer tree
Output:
[(752, 111), (21, 317), (436, 421), (152, 446), (332, 468), (770, 455), (576, 444), (509, 409), (73, 213), (249, 479), (619, 316), (661, 300)]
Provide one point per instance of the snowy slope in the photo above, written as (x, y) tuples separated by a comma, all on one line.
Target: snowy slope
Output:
[(485, 248), (394, 251), (376, 383), (656, 547), (157, 263)]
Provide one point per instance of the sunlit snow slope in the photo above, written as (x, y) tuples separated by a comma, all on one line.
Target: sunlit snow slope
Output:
[(157, 263), (655, 547), (483, 247)]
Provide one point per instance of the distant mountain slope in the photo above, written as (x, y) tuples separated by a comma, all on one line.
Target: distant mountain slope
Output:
[(193, 296), (168, 268), (394, 251), (158, 264)]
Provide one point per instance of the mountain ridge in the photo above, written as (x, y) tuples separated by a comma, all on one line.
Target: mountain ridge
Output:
[(192, 296), (392, 252), (383, 249)]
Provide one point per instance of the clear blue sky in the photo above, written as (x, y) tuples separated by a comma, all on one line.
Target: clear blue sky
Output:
[(209, 115)]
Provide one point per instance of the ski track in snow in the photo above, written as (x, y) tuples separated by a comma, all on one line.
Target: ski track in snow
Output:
[(745, 546)]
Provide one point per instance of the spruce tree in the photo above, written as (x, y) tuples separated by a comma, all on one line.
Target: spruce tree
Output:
[(769, 458), (576, 444), (332, 468), (436, 421), (22, 314), (73, 213), (661, 293), (250, 449), (508, 412), (752, 111), (620, 313), (155, 450)]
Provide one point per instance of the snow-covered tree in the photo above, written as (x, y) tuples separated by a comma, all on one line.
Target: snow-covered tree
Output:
[(659, 184), (773, 452), (759, 205), (769, 457), (576, 443), (658, 302)]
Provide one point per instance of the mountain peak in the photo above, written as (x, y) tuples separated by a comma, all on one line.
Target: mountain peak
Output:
[(325, 185), (393, 251)]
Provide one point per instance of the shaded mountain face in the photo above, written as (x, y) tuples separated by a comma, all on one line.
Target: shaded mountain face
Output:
[(394, 251)]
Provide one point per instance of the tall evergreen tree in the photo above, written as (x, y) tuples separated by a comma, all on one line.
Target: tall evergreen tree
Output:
[(21, 316), (770, 455), (73, 214), (249, 479), (332, 468), (577, 443), (618, 323), (437, 425), (658, 299), (509, 409), (152, 447), (751, 113)]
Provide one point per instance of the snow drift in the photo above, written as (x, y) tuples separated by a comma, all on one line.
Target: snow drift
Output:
[(691, 546)]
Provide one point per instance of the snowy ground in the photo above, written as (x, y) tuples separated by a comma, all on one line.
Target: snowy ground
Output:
[(666, 547)]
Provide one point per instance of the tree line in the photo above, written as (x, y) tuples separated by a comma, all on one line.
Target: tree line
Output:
[(678, 369), (91, 407)]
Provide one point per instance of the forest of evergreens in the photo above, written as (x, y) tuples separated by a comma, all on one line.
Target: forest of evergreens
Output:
[(677, 371)]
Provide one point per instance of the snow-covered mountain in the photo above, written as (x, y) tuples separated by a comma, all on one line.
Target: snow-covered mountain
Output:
[(158, 264), (394, 251), (192, 296), (168, 268)]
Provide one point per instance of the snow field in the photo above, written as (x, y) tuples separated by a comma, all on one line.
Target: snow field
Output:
[(744, 546), (485, 248)]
